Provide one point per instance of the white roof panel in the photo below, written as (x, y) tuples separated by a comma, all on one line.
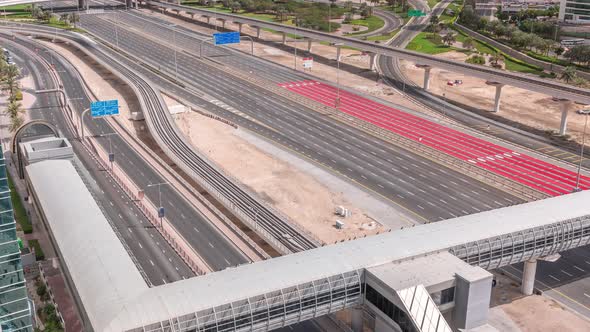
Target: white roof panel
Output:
[(117, 298)]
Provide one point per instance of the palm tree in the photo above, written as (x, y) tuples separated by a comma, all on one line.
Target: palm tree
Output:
[(468, 43), (9, 78), (449, 38), (74, 18), (569, 74), (15, 123), (14, 109)]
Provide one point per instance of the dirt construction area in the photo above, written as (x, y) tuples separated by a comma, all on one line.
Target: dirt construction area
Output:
[(294, 193), (522, 106)]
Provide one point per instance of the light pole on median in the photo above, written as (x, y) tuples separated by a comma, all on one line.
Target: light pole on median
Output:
[(577, 188), (111, 154), (161, 211), (173, 27)]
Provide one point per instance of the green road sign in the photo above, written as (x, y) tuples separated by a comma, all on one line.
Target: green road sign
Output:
[(415, 13)]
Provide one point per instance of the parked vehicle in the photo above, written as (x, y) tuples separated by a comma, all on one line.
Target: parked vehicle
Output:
[(451, 83), (458, 81), (584, 111)]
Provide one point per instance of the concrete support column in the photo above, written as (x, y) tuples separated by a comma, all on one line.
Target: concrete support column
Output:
[(208, 19), (473, 291), (82, 4), (129, 3), (564, 105), (257, 32), (528, 277), (497, 99), (426, 68), (239, 27), (356, 320), (222, 24), (309, 44), (372, 62), (284, 38), (338, 55)]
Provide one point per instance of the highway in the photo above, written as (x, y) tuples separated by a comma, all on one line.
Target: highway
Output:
[(322, 323), (159, 261), (566, 280), (349, 152), (528, 82), (212, 246)]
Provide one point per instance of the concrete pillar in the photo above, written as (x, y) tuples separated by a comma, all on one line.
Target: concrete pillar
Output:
[(208, 19), (338, 55), (372, 62), (528, 277), (129, 3), (309, 44), (257, 32), (564, 113), (82, 4), (499, 87), (222, 23), (427, 78), (239, 27), (473, 291), (356, 320), (284, 38)]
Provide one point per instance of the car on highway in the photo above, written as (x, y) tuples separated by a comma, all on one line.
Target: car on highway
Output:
[(584, 111)]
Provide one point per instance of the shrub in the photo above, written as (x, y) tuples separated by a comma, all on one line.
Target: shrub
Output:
[(477, 60), (39, 255)]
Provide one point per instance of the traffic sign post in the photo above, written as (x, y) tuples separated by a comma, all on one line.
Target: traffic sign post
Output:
[(415, 13), (104, 108), (223, 38)]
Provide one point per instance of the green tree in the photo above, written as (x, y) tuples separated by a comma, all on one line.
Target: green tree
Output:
[(569, 74), (449, 38), (10, 79), (496, 58), (235, 7), (468, 43), (74, 18), (434, 19)]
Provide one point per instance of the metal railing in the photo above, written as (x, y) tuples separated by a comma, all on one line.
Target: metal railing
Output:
[(271, 310), (528, 244)]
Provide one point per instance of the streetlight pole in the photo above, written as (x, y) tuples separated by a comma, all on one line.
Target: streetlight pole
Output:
[(175, 58), (577, 188), (111, 154), (117, 28), (160, 207), (337, 82)]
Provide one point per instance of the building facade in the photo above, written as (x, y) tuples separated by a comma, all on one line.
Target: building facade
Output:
[(575, 11), (15, 312)]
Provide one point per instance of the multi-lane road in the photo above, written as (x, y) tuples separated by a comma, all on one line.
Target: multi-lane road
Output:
[(399, 176), (154, 255)]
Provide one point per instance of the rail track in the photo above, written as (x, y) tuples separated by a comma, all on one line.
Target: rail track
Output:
[(276, 229)]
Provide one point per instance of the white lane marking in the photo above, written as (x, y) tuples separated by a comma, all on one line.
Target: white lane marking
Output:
[(164, 281), (579, 269), (152, 262), (420, 207), (550, 276), (228, 263), (210, 245), (586, 295), (567, 273), (196, 230), (130, 231), (140, 245)]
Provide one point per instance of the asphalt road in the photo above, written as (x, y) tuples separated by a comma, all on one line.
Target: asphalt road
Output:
[(566, 280), (215, 249), (399, 176), (154, 255)]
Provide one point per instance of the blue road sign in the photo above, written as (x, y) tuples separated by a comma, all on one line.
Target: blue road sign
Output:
[(222, 38), (104, 108), (161, 212)]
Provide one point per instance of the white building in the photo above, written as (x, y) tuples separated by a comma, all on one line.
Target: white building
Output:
[(575, 11)]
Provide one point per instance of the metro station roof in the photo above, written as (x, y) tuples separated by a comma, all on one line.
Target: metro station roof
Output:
[(117, 298)]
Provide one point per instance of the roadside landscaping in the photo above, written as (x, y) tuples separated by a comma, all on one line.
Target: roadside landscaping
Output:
[(20, 214)]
